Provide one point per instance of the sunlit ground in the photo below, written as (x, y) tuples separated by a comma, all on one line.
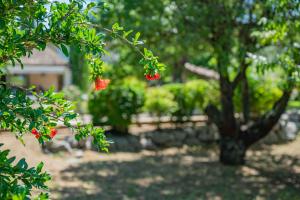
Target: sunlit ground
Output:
[(186, 173)]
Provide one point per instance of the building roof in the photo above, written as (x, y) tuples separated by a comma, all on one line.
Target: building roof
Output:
[(50, 56)]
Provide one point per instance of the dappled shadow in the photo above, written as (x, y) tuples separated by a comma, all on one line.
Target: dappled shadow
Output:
[(188, 175), (281, 169)]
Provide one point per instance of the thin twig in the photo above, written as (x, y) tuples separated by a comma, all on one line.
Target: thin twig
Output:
[(119, 36)]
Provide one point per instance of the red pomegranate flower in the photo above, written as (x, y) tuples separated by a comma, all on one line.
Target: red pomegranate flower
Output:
[(154, 77), (53, 132), (36, 133), (101, 84)]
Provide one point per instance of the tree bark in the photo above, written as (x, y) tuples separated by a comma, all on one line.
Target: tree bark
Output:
[(80, 71), (178, 70), (228, 126), (202, 72), (214, 115), (245, 99), (233, 148), (232, 151), (265, 124)]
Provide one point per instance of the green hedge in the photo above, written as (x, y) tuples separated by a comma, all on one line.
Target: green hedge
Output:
[(263, 91), (124, 98), (191, 96), (117, 104), (160, 102)]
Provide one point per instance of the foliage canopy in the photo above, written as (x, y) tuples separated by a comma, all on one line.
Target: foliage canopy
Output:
[(28, 25)]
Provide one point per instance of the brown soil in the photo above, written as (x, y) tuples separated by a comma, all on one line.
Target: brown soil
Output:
[(185, 173)]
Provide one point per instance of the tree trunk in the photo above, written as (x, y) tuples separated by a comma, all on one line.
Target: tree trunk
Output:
[(178, 70), (80, 71), (232, 151), (265, 123)]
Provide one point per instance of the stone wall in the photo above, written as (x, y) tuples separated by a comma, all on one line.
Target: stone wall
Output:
[(286, 130)]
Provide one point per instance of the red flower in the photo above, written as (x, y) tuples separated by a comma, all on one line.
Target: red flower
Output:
[(53, 132), (151, 78), (36, 133), (101, 84)]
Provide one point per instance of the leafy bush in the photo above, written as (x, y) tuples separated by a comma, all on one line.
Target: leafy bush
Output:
[(264, 92), (159, 102), (184, 100), (192, 95), (117, 104), (203, 92), (17, 180), (31, 25), (294, 102)]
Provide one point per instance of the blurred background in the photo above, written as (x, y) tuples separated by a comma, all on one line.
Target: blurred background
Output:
[(163, 145)]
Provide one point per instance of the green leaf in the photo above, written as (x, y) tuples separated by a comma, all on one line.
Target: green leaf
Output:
[(20, 62), (4, 153), (58, 95), (11, 160), (22, 164), (31, 125), (126, 33), (40, 167), (41, 45), (136, 38), (64, 50), (116, 27), (91, 5)]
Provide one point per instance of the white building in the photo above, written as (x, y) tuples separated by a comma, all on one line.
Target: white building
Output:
[(43, 69)]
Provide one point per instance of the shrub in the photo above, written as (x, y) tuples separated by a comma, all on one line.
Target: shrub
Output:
[(264, 92), (117, 104), (202, 92), (294, 102), (192, 95), (184, 103), (29, 26), (160, 102), (30, 178)]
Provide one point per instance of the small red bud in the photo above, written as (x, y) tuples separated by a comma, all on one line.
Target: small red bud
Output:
[(36, 133), (154, 77), (53, 132), (101, 84)]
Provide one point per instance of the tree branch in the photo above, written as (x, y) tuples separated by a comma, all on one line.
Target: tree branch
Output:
[(239, 76), (129, 43), (245, 99), (213, 114), (266, 122), (203, 72)]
